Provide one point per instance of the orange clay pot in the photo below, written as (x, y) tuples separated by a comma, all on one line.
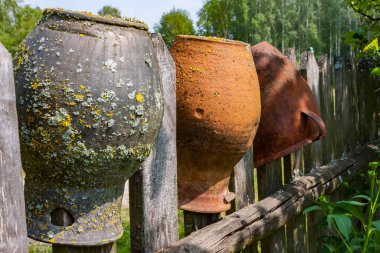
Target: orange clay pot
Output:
[(218, 112)]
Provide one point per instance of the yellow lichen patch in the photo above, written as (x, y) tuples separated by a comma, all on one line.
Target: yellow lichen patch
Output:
[(97, 112), (139, 97), (195, 69), (79, 96), (109, 114), (19, 61), (81, 34), (42, 226), (72, 103), (66, 122), (34, 86), (52, 240), (82, 87)]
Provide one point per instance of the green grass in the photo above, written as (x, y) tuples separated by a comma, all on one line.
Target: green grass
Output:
[(123, 244)]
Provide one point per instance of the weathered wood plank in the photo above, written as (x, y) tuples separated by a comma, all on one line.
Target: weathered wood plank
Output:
[(310, 70), (296, 226), (312, 152), (153, 189), (196, 221), (339, 105), (242, 184), (327, 108), (258, 220), (350, 102), (293, 169), (269, 179), (12, 205)]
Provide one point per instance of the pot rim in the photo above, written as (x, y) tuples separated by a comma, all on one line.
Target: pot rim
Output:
[(212, 39), (81, 15)]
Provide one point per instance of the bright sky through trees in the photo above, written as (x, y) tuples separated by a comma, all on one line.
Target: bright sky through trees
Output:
[(149, 11)]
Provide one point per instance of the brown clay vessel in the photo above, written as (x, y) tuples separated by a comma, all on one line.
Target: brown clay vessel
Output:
[(290, 118), (218, 111)]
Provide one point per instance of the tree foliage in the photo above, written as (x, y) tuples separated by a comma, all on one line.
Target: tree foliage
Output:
[(174, 22), (300, 24), (109, 11), (16, 22)]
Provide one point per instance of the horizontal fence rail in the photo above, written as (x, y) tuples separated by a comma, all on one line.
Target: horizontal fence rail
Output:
[(254, 222)]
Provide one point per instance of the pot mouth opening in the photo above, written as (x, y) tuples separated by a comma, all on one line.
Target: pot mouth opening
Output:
[(82, 15), (212, 39)]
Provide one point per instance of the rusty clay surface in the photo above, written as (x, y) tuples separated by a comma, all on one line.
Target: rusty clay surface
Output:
[(290, 118), (218, 112), (89, 104)]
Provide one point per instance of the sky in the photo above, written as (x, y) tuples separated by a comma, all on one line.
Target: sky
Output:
[(149, 11)]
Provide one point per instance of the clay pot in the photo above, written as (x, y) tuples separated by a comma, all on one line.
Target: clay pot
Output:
[(218, 111), (290, 118), (89, 106)]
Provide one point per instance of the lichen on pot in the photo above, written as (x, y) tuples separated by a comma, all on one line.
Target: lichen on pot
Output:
[(89, 111)]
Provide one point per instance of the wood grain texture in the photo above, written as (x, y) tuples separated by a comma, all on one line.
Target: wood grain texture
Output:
[(12, 205), (258, 220), (196, 221), (242, 184), (153, 189), (327, 108), (269, 179), (313, 152), (293, 170)]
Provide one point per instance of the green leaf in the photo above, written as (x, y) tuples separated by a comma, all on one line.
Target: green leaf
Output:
[(311, 209), (329, 247), (329, 220), (366, 197), (372, 47), (343, 224), (375, 72), (355, 210), (376, 224), (351, 202)]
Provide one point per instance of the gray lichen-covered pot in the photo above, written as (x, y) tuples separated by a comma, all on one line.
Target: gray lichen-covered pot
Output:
[(90, 106)]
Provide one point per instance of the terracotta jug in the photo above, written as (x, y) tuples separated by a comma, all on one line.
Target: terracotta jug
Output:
[(218, 112), (89, 105), (290, 118)]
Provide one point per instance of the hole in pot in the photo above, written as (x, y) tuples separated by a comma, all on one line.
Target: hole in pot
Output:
[(199, 113), (61, 217)]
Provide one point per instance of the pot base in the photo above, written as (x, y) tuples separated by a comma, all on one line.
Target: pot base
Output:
[(91, 215)]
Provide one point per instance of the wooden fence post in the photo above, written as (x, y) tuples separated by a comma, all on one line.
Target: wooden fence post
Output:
[(313, 152), (242, 184), (293, 169), (269, 178), (153, 189), (327, 108), (12, 205)]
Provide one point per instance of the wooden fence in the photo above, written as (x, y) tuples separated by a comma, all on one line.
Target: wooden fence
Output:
[(349, 104), (267, 210)]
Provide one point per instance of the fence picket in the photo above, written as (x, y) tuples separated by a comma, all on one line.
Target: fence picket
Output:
[(269, 179), (153, 189), (12, 205), (293, 169)]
